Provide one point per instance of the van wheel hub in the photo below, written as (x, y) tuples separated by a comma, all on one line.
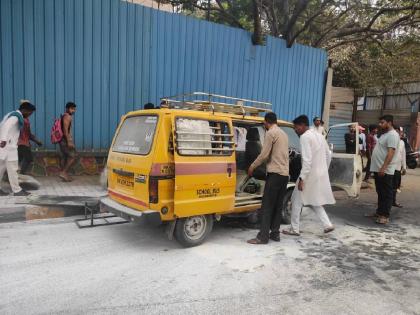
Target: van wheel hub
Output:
[(195, 227)]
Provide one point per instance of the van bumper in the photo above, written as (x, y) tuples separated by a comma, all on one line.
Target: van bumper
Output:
[(130, 214)]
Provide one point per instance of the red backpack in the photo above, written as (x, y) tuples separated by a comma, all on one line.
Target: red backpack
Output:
[(56, 131)]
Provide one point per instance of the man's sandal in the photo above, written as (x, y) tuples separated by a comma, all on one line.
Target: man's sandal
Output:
[(65, 178), (328, 230), (382, 220), (290, 232)]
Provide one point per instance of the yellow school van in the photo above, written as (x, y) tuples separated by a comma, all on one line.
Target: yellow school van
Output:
[(185, 164)]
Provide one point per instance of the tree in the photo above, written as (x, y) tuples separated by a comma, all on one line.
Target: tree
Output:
[(370, 64), (371, 42), (319, 23)]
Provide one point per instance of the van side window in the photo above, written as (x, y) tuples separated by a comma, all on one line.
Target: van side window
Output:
[(201, 137)]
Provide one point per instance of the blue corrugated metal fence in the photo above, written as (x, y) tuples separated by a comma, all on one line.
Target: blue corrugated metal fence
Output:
[(110, 57)]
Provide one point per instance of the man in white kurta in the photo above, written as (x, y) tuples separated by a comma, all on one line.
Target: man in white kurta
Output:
[(313, 188), (9, 136)]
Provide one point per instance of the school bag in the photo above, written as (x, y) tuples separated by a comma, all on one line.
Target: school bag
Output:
[(56, 131)]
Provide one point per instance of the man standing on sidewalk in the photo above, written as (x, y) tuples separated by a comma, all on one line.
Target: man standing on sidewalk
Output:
[(9, 135), (24, 145), (318, 126), (276, 152), (67, 147), (313, 187), (400, 167), (370, 145), (383, 165)]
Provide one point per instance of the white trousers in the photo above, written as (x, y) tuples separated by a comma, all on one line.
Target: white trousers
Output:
[(11, 167), (297, 205)]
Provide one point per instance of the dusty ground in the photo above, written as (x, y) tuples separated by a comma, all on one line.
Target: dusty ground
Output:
[(51, 266)]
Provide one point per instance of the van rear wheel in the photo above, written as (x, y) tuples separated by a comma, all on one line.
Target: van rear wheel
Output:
[(286, 212), (192, 231)]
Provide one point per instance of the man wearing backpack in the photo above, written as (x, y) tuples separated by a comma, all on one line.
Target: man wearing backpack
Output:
[(10, 128), (67, 147)]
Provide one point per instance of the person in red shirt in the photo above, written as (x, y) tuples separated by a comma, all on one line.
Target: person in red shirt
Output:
[(24, 146), (370, 145)]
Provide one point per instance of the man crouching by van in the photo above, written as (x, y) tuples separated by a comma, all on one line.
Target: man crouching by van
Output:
[(313, 187), (275, 152)]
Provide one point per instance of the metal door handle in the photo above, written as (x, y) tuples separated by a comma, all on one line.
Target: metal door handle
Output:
[(123, 173)]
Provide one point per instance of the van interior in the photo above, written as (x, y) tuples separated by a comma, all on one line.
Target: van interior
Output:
[(249, 138)]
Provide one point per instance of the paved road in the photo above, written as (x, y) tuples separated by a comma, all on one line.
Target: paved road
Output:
[(51, 266)]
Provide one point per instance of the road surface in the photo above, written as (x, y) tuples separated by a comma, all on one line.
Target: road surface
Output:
[(51, 266)]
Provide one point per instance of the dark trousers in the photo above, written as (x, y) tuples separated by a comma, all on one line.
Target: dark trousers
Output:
[(367, 169), (272, 205), (25, 158), (396, 183), (385, 193)]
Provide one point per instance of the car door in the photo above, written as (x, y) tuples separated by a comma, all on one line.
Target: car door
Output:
[(205, 166), (346, 168)]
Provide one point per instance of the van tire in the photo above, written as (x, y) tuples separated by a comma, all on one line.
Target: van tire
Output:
[(286, 210), (412, 164), (192, 231), (253, 218)]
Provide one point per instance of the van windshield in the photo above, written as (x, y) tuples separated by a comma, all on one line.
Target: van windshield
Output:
[(294, 141), (136, 135)]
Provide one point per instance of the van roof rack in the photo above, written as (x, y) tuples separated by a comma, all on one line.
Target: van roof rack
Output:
[(216, 103)]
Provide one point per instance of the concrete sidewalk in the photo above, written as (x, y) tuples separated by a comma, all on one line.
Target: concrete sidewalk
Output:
[(19, 208)]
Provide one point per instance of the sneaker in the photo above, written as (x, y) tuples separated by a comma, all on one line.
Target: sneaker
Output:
[(3, 194), (275, 237), (22, 193)]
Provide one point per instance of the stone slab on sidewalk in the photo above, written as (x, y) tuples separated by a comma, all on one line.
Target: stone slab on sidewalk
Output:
[(20, 208)]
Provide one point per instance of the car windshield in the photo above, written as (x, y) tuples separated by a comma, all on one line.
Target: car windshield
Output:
[(294, 142), (136, 135)]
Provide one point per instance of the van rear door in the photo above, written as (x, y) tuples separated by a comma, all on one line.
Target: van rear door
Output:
[(130, 161), (205, 167), (346, 165)]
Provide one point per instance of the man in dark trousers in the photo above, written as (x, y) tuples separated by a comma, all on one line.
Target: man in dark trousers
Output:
[(275, 152), (384, 159), (350, 139), (67, 147), (371, 140)]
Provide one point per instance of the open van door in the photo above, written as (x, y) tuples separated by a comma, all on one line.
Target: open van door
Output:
[(346, 165), (205, 165)]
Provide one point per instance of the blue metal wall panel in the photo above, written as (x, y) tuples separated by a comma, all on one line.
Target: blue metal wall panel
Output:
[(111, 56)]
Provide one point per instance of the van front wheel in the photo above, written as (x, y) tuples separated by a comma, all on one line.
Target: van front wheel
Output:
[(192, 231)]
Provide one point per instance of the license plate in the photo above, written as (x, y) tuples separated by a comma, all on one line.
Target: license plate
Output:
[(125, 182)]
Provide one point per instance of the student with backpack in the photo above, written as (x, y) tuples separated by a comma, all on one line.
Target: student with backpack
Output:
[(61, 134), (10, 129)]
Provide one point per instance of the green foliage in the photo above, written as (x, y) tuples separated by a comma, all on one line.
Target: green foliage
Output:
[(371, 42)]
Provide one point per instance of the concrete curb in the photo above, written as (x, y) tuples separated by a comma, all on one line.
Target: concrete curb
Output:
[(31, 212)]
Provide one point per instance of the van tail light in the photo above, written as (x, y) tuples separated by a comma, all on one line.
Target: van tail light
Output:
[(153, 190)]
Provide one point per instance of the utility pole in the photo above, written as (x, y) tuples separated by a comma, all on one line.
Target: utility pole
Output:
[(208, 10)]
